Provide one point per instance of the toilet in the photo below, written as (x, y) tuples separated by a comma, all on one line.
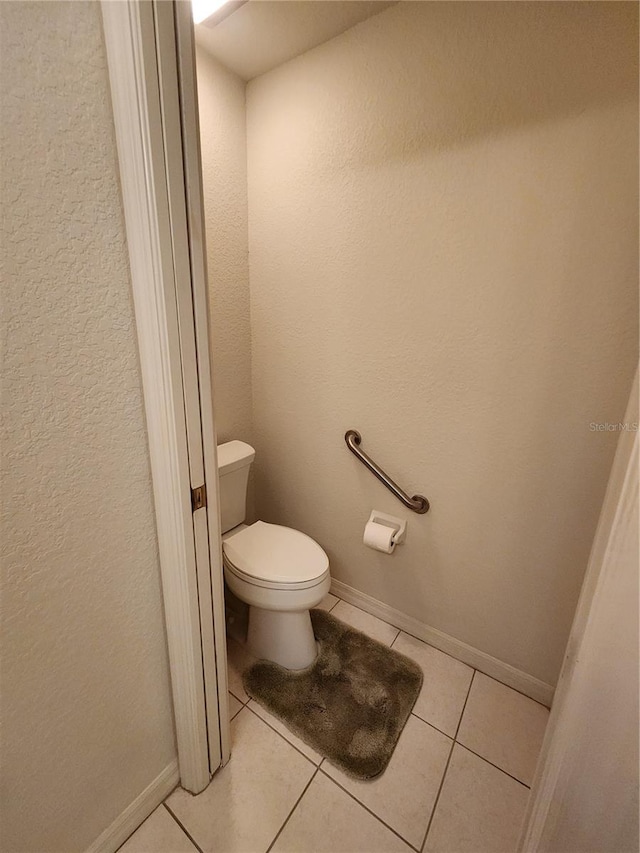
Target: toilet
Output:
[(279, 572)]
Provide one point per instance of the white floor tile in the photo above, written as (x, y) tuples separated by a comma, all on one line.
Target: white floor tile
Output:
[(365, 622), (248, 800), (480, 809), (328, 602), (445, 687), (403, 796), (158, 834), (238, 659), (327, 820), (504, 727), (280, 727), (234, 706)]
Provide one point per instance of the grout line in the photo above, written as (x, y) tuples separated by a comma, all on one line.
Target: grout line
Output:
[(238, 698), (427, 723), (337, 601), (474, 668), (477, 754), (486, 760), (295, 806), (458, 660), (444, 775), (425, 643), (133, 831), (437, 799), (183, 828), (431, 646), (515, 689), (367, 809), (297, 749), (455, 737), (366, 633), (448, 654)]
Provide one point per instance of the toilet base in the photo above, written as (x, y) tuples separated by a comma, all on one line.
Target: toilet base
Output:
[(285, 637)]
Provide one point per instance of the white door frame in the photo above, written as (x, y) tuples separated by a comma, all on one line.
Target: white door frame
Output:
[(130, 38), (192, 159)]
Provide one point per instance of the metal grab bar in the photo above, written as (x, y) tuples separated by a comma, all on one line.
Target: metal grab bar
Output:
[(418, 503)]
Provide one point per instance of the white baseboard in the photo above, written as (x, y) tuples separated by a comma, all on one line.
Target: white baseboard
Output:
[(504, 672), (137, 811)]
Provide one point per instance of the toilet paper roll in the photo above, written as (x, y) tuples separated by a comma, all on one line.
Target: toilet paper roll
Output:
[(379, 536)]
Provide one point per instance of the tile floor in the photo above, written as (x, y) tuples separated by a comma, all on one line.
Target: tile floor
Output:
[(457, 782)]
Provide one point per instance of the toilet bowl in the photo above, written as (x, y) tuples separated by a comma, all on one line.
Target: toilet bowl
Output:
[(279, 572)]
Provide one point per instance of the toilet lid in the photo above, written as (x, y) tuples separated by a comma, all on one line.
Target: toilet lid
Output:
[(270, 552)]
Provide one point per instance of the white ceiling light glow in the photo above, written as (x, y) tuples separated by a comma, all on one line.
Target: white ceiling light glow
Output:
[(203, 9)]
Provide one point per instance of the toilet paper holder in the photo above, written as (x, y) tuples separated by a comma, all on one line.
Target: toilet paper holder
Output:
[(397, 524)]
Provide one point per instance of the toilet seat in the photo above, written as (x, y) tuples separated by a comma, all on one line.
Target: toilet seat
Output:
[(275, 585), (275, 557)]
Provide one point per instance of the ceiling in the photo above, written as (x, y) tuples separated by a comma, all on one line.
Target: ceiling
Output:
[(261, 34)]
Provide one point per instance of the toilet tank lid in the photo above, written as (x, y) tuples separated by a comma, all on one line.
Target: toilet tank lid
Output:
[(234, 454)]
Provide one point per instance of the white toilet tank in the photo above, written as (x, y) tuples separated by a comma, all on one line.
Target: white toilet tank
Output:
[(234, 461)]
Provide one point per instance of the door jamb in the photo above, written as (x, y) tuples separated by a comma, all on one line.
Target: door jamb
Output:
[(130, 44), (186, 65)]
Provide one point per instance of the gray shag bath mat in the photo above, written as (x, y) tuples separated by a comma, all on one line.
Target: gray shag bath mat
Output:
[(350, 705)]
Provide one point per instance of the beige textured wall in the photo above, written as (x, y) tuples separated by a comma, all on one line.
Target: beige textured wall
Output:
[(221, 96), (85, 706), (443, 255)]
